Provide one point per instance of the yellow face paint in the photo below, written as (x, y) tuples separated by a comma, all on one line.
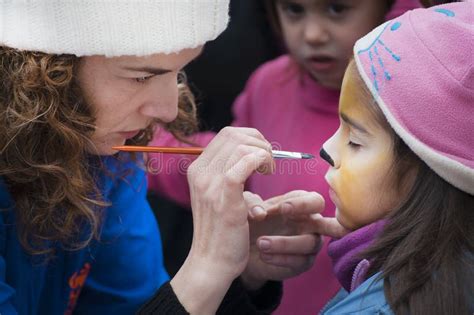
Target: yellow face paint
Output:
[(362, 186)]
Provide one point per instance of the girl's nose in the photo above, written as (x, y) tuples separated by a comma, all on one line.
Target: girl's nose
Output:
[(315, 33), (325, 156), (329, 151)]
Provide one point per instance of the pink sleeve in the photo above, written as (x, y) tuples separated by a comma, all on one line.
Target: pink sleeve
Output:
[(167, 172)]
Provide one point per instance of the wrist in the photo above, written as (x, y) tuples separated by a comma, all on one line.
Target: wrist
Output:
[(200, 286), (252, 282)]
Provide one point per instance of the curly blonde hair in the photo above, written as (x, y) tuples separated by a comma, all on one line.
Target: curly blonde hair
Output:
[(45, 130)]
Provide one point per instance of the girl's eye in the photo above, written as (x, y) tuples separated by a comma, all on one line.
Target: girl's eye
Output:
[(354, 145), (143, 79), (336, 9), (293, 9)]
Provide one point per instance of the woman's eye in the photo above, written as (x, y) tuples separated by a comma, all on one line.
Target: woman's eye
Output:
[(143, 79)]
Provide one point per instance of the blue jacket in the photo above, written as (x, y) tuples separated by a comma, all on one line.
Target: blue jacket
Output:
[(368, 298), (113, 276)]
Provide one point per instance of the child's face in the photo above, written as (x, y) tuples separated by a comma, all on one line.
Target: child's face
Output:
[(320, 34), (362, 186), (127, 93)]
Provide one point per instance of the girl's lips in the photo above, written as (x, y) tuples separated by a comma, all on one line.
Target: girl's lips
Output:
[(322, 63), (333, 196)]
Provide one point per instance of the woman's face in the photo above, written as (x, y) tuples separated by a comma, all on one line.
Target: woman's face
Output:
[(320, 34), (362, 185), (127, 93)]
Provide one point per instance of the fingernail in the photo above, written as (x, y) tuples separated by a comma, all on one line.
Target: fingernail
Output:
[(264, 245), (286, 208), (257, 211)]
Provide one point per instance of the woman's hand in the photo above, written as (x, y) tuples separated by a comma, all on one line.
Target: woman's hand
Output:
[(220, 247), (274, 256), (282, 242)]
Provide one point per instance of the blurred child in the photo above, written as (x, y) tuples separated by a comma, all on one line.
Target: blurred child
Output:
[(402, 168), (293, 101)]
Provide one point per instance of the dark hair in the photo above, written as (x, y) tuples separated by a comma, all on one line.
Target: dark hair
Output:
[(42, 107), (429, 3), (272, 14), (426, 250)]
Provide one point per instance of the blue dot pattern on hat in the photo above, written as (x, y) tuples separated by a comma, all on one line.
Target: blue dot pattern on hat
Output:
[(373, 49), (446, 12), (395, 26)]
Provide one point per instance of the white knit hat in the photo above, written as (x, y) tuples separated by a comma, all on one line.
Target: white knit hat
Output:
[(110, 27)]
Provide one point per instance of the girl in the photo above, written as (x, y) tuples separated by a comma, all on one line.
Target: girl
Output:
[(293, 101), (76, 233), (402, 168)]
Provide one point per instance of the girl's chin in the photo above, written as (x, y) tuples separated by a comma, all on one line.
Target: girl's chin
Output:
[(342, 221), (339, 217)]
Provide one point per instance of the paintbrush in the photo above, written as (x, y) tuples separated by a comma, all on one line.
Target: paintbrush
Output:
[(196, 151)]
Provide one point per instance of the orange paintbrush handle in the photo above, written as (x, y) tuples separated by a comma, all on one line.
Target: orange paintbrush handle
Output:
[(137, 148)]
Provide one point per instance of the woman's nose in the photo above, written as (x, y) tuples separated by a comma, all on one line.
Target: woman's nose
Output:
[(162, 102)]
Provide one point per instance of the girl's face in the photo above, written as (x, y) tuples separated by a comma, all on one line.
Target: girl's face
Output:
[(127, 93), (320, 34), (362, 186)]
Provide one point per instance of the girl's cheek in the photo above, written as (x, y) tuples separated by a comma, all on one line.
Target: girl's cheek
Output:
[(347, 181)]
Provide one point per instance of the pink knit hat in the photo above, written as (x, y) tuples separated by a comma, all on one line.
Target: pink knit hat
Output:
[(420, 70)]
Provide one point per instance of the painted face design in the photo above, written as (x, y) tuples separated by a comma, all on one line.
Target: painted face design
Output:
[(360, 153), (320, 34)]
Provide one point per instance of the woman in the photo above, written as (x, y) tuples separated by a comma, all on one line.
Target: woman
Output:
[(77, 234)]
